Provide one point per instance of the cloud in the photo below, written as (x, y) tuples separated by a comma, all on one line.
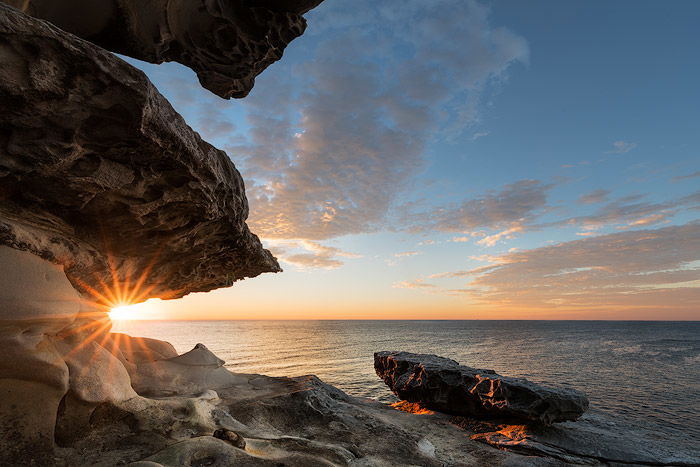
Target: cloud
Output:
[(643, 268), (312, 255), (405, 254), (685, 177), (621, 147), (333, 141), (691, 200), (628, 210), (479, 134), (511, 208), (495, 260), (414, 284), (492, 240), (595, 196), (649, 220), (466, 238), (310, 260)]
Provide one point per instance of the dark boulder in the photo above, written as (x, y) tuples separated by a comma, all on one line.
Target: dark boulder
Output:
[(442, 384)]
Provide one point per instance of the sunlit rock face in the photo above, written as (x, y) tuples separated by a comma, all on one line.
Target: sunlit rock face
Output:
[(442, 384), (36, 302), (226, 42), (98, 173), (187, 374), (63, 374)]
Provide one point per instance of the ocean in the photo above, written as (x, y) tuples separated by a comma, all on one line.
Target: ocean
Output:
[(645, 375)]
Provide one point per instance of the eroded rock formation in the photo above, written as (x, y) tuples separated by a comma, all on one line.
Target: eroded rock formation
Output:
[(106, 195), (226, 42), (100, 174), (67, 381), (442, 384), (33, 374)]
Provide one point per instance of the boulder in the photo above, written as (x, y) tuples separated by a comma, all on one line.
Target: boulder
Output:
[(226, 42), (99, 174), (442, 384)]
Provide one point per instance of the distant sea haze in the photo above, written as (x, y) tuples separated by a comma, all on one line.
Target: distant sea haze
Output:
[(642, 374)]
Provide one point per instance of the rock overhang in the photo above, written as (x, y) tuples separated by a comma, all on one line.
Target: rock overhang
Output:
[(226, 42), (98, 173)]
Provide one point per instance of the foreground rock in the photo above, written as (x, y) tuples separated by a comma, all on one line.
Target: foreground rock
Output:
[(263, 421), (188, 374), (226, 42), (593, 440), (98, 173), (106, 196), (442, 384)]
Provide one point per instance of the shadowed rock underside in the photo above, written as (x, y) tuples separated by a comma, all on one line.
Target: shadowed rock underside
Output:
[(226, 42), (100, 174)]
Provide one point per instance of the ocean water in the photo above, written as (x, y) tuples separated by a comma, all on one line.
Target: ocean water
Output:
[(644, 374)]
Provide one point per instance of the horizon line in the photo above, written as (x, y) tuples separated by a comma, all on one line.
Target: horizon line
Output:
[(419, 319)]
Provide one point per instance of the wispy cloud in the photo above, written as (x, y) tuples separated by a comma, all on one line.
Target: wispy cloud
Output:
[(308, 254), (685, 177), (405, 254), (621, 147), (469, 237), (595, 196), (310, 260), (649, 220), (643, 268), (632, 211), (329, 151), (414, 284), (492, 240), (510, 209)]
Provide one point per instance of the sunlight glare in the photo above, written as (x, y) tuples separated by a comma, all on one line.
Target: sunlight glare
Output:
[(124, 312)]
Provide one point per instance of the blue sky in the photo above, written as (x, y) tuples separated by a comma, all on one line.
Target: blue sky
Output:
[(464, 159)]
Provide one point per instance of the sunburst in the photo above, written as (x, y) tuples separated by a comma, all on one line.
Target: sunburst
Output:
[(104, 303)]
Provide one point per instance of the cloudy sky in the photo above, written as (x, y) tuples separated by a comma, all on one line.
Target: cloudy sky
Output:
[(467, 159)]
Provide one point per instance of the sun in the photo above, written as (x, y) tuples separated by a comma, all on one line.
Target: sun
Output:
[(124, 312)]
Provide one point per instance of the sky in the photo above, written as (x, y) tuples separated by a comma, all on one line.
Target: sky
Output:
[(461, 159)]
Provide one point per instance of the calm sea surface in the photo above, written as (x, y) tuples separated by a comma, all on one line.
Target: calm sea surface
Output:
[(645, 374)]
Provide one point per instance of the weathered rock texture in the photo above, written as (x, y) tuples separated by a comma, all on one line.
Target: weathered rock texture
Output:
[(226, 42), (67, 381), (33, 374), (442, 384), (187, 374), (262, 421), (98, 173)]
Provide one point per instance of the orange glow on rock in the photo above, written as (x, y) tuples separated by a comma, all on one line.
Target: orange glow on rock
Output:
[(412, 407)]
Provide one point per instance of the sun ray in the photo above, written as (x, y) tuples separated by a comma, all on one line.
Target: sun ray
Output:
[(90, 338)]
